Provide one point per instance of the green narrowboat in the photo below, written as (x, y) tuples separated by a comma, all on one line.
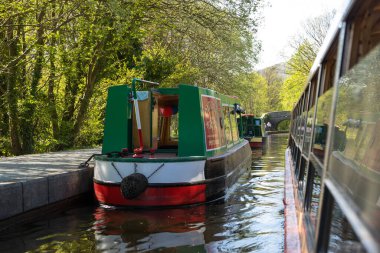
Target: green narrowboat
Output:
[(168, 146), (250, 129)]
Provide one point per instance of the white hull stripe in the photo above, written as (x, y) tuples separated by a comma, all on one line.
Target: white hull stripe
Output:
[(177, 172)]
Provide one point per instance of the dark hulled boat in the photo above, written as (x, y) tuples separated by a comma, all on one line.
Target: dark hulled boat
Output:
[(250, 128)]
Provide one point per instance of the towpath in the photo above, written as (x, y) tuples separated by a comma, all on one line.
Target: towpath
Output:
[(32, 181)]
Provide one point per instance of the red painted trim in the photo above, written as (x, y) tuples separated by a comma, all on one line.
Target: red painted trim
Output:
[(140, 138), (292, 232), (153, 196), (256, 144)]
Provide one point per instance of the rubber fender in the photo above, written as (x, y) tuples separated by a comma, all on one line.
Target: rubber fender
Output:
[(133, 185)]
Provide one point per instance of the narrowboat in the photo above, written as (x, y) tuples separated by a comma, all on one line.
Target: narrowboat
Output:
[(332, 167), (168, 146), (250, 129)]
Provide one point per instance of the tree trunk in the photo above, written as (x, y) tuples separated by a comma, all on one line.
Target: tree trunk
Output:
[(71, 92), (95, 67), (12, 94), (51, 98), (4, 120), (28, 123)]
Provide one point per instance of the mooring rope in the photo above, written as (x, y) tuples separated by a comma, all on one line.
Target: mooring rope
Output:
[(113, 165), (135, 164), (86, 163), (162, 165), (135, 169)]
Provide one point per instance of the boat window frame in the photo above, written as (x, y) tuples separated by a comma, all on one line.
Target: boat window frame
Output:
[(227, 113), (330, 73), (332, 190)]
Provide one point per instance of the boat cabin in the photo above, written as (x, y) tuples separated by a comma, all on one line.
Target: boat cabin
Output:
[(182, 121), (250, 128)]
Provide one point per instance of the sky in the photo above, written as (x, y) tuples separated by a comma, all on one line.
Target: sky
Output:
[(282, 19)]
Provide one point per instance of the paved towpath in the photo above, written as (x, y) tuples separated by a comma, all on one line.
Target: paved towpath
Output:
[(31, 181)]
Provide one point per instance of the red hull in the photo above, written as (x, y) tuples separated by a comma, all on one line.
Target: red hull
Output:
[(153, 196), (256, 144)]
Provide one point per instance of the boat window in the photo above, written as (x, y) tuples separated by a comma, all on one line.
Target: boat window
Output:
[(314, 86), (168, 115), (174, 127), (156, 124), (302, 117), (364, 32), (324, 104), (313, 194), (302, 176), (227, 124), (342, 238), (257, 122), (328, 69), (250, 126), (354, 161), (234, 127), (257, 128), (310, 115)]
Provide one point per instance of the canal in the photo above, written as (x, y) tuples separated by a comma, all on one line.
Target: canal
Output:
[(249, 219)]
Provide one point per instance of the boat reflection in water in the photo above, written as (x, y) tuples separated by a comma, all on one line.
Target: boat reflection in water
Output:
[(143, 230)]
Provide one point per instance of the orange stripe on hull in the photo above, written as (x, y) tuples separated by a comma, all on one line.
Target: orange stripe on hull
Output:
[(153, 196)]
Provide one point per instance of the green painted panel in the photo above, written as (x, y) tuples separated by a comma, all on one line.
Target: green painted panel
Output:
[(117, 123), (168, 91), (149, 160), (191, 135), (257, 123)]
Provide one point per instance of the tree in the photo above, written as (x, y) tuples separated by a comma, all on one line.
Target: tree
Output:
[(58, 57), (274, 82), (298, 67)]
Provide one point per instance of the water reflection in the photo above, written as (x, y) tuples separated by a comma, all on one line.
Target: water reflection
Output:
[(249, 219), (143, 230)]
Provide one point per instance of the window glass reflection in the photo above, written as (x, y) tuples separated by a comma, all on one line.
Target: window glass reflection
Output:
[(309, 125), (355, 159), (321, 125), (314, 203), (174, 127), (227, 124), (342, 237), (234, 127)]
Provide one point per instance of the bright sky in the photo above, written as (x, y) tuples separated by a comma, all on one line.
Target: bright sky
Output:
[(282, 20)]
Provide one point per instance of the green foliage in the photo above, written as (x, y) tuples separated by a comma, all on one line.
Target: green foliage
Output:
[(291, 90), (283, 125), (252, 91), (57, 59), (298, 68), (299, 65)]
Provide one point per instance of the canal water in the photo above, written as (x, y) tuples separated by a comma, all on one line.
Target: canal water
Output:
[(249, 219)]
